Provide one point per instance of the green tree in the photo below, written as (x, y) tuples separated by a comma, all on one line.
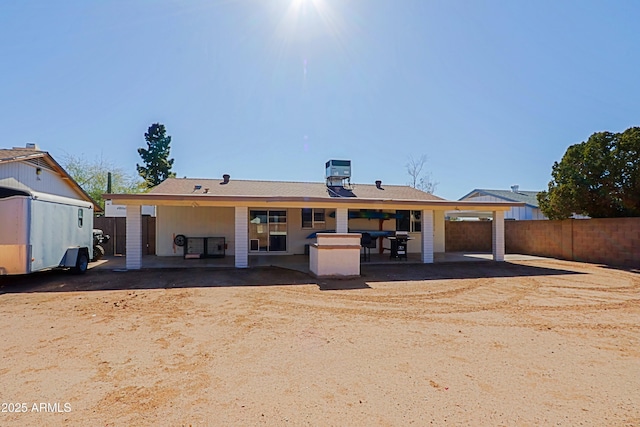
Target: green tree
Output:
[(92, 175), (599, 177), (157, 166)]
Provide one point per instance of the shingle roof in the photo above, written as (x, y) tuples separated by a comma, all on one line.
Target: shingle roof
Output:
[(16, 154), (527, 197), (8, 155), (235, 187)]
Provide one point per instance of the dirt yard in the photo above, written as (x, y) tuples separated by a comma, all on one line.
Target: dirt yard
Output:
[(527, 343)]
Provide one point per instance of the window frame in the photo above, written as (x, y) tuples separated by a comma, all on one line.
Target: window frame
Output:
[(274, 219), (315, 223)]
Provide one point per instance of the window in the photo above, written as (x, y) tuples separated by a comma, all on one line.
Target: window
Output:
[(409, 221), (312, 218), (80, 218), (268, 231), (403, 221), (416, 221)]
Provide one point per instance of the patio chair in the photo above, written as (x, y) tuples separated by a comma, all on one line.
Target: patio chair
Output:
[(367, 242)]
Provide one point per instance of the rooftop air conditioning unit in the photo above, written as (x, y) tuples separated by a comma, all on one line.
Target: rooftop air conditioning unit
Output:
[(338, 169)]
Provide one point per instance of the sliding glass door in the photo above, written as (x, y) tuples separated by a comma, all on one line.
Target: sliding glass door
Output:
[(268, 231)]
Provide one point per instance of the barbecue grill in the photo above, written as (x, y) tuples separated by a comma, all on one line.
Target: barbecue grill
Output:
[(399, 245)]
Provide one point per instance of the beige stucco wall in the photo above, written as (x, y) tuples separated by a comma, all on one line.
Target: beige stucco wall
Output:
[(335, 255), (219, 222), (215, 222), (192, 222), (297, 236)]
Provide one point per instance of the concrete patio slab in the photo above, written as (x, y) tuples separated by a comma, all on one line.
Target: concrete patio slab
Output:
[(295, 262)]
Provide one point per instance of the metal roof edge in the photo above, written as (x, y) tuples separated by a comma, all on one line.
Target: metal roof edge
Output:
[(489, 193)]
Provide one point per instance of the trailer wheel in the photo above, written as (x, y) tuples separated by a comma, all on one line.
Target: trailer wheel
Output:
[(82, 263), (98, 253)]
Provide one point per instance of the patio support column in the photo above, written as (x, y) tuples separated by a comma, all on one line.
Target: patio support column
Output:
[(426, 244), (498, 235), (438, 231), (342, 220), (134, 237), (241, 243)]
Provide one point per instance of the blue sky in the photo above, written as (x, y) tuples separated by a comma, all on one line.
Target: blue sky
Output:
[(493, 92)]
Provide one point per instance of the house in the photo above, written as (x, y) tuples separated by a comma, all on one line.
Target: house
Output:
[(530, 210), (30, 168), (283, 218)]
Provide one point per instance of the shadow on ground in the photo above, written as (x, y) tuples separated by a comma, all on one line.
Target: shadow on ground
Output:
[(167, 278)]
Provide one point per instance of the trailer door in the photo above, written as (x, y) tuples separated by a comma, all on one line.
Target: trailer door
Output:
[(15, 251)]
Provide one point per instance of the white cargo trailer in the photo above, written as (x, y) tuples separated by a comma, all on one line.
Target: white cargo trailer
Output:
[(40, 231)]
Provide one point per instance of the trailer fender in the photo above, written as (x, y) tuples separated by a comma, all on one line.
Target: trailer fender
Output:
[(70, 258), (77, 259)]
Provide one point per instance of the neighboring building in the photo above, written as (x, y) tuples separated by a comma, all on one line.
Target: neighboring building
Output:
[(280, 218), (120, 211), (530, 210), (32, 169)]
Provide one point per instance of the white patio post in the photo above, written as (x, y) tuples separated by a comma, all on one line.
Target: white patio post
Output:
[(342, 220), (438, 232), (134, 237), (426, 243), (498, 235), (242, 237)]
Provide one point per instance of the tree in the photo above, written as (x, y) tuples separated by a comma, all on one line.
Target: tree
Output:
[(599, 178), (93, 175), (421, 181), (156, 157)]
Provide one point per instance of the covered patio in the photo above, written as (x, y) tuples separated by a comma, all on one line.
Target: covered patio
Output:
[(237, 210)]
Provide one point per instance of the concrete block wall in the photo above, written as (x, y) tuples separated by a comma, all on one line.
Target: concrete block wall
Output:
[(543, 238), (611, 241), (467, 236), (616, 240)]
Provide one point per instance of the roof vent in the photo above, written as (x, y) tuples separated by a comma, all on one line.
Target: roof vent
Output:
[(32, 146), (225, 178), (206, 191), (379, 184), (515, 188)]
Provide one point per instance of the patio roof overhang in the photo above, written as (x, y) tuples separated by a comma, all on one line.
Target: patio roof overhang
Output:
[(196, 200)]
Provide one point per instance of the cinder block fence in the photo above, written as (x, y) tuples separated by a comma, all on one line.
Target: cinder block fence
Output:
[(612, 241)]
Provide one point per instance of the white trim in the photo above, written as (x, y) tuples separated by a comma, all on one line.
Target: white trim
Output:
[(134, 238), (426, 244), (342, 220), (241, 237)]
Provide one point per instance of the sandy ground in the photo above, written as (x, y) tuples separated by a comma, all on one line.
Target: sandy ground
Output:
[(527, 343)]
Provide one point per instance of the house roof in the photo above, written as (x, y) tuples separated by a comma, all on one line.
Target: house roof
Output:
[(215, 192), (19, 154), (216, 187), (8, 155), (527, 197)]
